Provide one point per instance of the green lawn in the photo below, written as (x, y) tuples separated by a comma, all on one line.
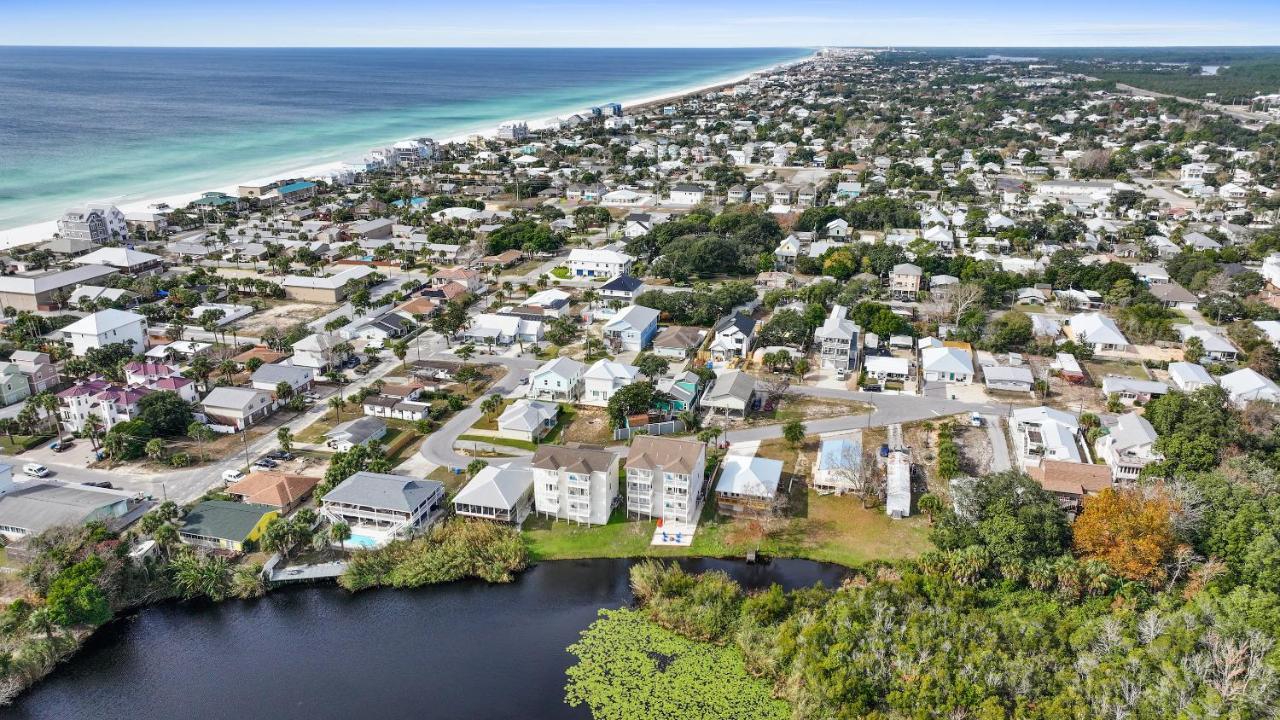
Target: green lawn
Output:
[(20, 443), (561, 272), (825, 528), (505, 442)]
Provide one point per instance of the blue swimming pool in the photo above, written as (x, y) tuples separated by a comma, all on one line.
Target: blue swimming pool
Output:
[(363, 541)]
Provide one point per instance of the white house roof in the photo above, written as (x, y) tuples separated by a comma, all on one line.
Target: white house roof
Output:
[(332, 282), (886, 365), (527, 415), (1097, 328), (605, 257), (1212, 341), (103, 321), (1249, 384), (1043, 414), (1270, 328), (637, 317), (116, 257), (837, 326), (610, 370), (1132, 430), (946, 360), (496, 486), (564, 367), (751, 476), (1185, 373)]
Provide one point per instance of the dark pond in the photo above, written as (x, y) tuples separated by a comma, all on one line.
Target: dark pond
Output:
[(466, 650)]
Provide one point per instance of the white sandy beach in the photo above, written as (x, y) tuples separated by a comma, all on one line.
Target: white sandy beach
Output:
[(42, 231)]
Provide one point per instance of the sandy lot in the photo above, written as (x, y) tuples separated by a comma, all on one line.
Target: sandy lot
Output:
[(280, 316)]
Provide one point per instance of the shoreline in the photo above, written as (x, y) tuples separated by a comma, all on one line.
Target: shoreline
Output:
[(11, 696), (43, 231)]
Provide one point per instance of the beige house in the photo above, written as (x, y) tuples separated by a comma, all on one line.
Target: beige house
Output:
[(904, 281), (666, 478)]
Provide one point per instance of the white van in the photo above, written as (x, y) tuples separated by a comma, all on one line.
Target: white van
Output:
[(230, 476)]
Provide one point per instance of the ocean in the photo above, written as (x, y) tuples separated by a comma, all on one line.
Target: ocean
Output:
[(128, 124)]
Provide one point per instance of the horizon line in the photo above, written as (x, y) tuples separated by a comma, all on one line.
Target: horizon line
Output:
[(637, 47)]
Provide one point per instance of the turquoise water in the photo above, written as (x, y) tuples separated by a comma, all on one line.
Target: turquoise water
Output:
[(124, 125), (363, 541)]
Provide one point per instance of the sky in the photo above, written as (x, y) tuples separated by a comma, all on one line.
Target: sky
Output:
[(638, 23)]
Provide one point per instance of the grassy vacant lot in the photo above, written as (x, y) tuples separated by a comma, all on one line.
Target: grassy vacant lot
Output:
[(1099, 369), (804, 407), (505, 442), (826, 528)]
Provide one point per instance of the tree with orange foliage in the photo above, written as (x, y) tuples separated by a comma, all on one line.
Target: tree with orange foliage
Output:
[(1129, 530)]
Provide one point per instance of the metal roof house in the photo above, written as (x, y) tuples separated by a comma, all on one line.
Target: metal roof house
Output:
[(383, 505), (748, 485), (502, 493), (225, 525)]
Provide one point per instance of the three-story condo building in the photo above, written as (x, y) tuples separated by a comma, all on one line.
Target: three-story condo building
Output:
[(666, 478), (578, 484)]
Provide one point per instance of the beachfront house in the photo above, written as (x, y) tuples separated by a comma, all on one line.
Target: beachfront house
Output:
[(1128, 447), (839, 467), (528, 420), (837, 340), (605, 378), (592, 263), (748, 485), (732, 337)]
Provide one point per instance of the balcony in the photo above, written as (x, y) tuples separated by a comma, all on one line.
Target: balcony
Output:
[(578, 481)]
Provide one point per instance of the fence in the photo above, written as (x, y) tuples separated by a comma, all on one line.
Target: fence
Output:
[(663, 428)]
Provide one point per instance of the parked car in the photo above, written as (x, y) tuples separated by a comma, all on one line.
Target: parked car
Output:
[(60, 446), (230, 476), (280, 455), (35, 470), (264, 463), (103, 484), (975, 419)]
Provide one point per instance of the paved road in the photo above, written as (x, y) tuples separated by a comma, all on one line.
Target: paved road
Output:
[(437, 449), (188, 484)]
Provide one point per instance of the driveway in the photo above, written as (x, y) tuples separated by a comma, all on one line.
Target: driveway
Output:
[(999, 443)]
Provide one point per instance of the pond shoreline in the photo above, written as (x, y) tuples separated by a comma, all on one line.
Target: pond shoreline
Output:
[(126, 624)]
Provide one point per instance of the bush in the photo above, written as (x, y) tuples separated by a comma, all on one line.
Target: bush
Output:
[(455, 550), (702, 607)]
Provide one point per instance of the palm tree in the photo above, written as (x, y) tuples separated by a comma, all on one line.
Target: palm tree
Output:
[(41, 620), (200, 368), (115, 444), (166, 536), (340, 532), (48, 402), (93, 429), (228, 369), (336, 403), (490, 404), (284, 436), (201, 433)]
